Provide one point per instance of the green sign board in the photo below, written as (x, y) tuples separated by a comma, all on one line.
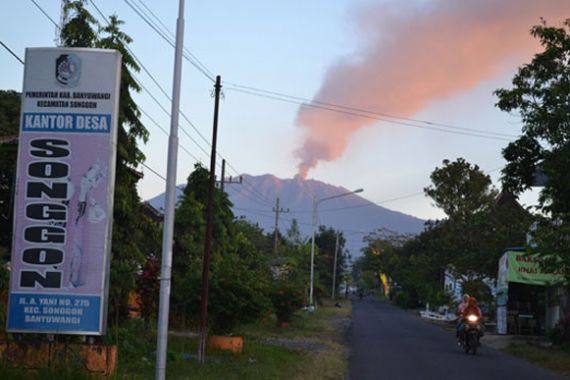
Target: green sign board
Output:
[(527, 269)]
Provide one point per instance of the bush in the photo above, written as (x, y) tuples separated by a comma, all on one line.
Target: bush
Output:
[(286, 300), (236, 294), (561, 332), (406, 299)]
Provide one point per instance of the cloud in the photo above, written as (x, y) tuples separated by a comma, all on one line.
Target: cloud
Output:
[(415, 54)]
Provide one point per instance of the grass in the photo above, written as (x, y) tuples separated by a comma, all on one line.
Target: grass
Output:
[(255, 362), (320, 333), (556, 358)]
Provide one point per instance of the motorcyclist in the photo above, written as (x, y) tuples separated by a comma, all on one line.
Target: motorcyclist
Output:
[(460, 309), (470, 309)]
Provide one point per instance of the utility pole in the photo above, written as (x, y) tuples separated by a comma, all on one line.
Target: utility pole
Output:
[(223, 174), (63, 18), (209, 228), (333, 292), (277, 210), (230, 180), (168, 231)]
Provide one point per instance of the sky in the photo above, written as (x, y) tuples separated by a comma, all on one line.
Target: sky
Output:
[(433, 61)]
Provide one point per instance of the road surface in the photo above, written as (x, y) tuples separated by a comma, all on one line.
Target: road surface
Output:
[(389, 343)]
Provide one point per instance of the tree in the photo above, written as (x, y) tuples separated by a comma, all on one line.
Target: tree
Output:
[(294, 232), (9, 126), (541, 96), (467, 196), (81, 29), (239, 273), (325, 240), (460, 189)]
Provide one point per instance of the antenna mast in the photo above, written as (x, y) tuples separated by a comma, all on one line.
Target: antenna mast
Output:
[(62, 21)]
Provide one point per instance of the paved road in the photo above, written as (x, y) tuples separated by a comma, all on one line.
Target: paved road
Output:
[(389, 343)]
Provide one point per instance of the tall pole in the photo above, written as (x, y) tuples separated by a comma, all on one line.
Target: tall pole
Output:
[(315, 205), (166, 267), (223, 174), (209, 229), (333, 292), (277, 210), (311, 304), (276, 231)]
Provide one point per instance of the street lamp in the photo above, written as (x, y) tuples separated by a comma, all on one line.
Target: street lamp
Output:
[(316, 203)]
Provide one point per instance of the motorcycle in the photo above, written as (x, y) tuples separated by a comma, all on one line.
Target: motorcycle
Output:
[(469, 339)]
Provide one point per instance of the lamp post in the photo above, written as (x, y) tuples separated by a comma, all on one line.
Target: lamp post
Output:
[(316, 203), (333, 290)]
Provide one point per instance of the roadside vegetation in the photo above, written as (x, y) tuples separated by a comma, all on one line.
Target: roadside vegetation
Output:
[(556, 358), (312, 346)]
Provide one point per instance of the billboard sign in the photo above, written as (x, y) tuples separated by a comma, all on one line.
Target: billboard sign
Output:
[(64, 191), (528, 269)]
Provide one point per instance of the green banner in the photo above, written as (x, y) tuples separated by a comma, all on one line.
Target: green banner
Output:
[(527, 269)]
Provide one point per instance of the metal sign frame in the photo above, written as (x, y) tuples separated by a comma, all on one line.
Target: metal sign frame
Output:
[(64, 194)]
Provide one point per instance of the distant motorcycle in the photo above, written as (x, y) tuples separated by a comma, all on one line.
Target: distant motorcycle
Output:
[(469, 340)]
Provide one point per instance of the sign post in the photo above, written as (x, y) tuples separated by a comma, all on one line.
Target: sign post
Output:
[(64, 191)]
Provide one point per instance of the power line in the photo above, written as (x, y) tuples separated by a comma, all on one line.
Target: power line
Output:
[(153, 171), (367, 116), (139, 62), (139, 83), (365, 111), (200, 67), (172, 36), (45, 13), (11, 52), (167, 134)]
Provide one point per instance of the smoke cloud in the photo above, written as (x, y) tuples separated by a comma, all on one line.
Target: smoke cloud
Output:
[(415, 54)]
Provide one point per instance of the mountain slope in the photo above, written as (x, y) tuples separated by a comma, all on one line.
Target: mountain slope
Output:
[(255, 199)]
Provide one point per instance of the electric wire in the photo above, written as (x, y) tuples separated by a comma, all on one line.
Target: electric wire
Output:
[(154, 171), (162, 90), (186, 50), (135, 79), (171, 41), (365, 111), (11, 52), (367, 116), (45, 13), (167, 134)]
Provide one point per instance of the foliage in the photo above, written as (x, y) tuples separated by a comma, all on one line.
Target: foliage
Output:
[(467, 244), (286, 301), (561, 332), (478, 289), (239, 274), (148, 287), (325, 241), (541, 96), (9, 112), (9, 126), (460, 188), (80, 30)]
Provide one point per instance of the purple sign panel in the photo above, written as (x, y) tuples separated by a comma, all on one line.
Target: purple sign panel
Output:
[(64, 192)]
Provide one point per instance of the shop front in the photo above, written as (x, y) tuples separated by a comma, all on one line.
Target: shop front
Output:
[(527, 294)]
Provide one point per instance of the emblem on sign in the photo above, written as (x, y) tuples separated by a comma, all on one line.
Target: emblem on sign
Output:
[(67, 70)]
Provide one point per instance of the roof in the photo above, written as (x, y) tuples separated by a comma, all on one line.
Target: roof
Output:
[(8, 140), (152, 213)]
